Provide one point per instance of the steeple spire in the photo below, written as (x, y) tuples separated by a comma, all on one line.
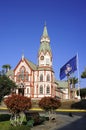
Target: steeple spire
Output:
[(45, 53), (45, 37), (45, 33), (45, 41)]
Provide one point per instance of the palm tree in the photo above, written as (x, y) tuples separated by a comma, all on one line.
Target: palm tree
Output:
[(83, 75), (73, 81), (6, 67)]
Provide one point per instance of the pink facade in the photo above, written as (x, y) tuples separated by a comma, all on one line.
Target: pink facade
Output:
[(36, 81)]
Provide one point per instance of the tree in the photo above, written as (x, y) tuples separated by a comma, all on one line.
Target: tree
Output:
[(17, 104), (82, 93), (6, 86), (73, 81), (83, 75), (6, 67), (49, 104)]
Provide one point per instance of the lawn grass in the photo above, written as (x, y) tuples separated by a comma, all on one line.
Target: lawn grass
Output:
[(4, 125)]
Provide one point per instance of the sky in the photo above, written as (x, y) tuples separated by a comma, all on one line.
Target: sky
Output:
[(21, 27)]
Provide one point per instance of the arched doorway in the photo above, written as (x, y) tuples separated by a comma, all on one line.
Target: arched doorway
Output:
[(21, 89)]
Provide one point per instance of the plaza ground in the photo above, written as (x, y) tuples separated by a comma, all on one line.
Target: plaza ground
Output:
[(64, 122)]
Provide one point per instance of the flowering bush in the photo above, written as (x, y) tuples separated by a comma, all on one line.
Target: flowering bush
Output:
[(16, 105), (49, 103)]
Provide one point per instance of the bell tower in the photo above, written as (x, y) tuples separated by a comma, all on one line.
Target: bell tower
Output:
[(45, 54)]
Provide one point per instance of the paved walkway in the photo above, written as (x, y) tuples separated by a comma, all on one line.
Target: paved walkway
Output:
[(64, 122)]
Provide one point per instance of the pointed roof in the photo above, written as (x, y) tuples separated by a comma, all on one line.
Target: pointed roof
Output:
[(45, 42), (45, 33), (31, 64), (61, 84)]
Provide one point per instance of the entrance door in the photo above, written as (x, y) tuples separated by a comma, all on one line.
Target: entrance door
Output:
[(21, 89)]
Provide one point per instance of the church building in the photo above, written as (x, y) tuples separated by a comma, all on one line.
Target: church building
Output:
[(36, 81)]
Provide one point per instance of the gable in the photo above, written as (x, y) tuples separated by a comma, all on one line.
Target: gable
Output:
[(22, 63)]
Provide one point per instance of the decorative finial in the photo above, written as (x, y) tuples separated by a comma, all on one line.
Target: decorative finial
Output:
[(23, 55), (45, 23)]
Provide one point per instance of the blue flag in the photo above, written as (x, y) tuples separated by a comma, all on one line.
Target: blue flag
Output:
[(69, 67)]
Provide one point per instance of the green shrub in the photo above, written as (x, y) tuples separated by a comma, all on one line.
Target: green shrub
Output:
[(5, 117), (79, 105), (42, 118), (47, 118), (32, 116), (22, 127), (30, 123), (35, 117)]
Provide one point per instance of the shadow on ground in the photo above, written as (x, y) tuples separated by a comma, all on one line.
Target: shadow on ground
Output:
[(79, 124), (79, 105)]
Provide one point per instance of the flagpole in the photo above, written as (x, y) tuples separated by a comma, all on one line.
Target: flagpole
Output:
[(78, 75), (72, 86), (68, 79)]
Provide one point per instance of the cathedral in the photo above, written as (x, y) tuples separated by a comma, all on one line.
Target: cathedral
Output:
[(37, 81)]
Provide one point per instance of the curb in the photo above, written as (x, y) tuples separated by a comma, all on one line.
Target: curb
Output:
[(57, 110)]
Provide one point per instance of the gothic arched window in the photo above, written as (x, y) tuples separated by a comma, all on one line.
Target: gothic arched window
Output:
[(41, 77), (22, 70), (41, 89), (22, 74), (48, 89), (48, 77), (26, 76)]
